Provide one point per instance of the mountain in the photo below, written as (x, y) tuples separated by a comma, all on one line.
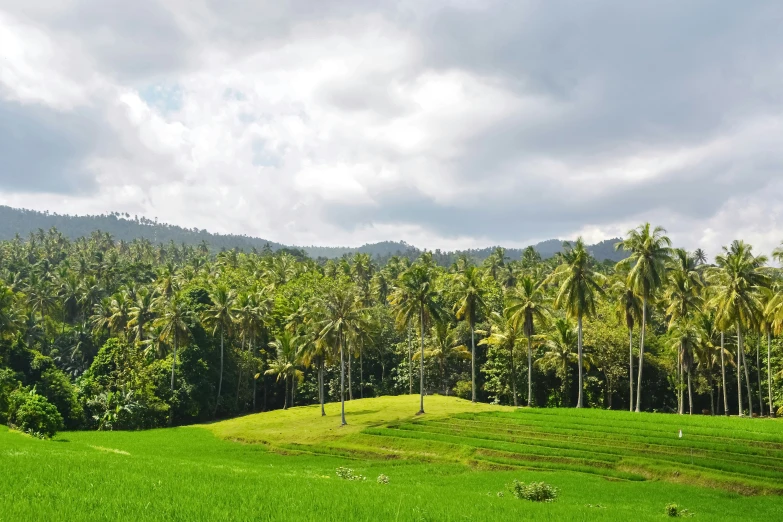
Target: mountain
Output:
[(125, 227)]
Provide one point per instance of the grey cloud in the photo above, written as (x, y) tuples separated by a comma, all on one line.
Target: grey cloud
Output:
[(43, 150)]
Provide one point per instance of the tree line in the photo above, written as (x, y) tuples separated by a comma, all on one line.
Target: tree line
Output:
[(129, 335)]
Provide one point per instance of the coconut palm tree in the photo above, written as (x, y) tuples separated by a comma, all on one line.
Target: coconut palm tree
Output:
[(650, 249), (736, 283), (445, 345), (287, 349), (141, 314), (684, 297), (414, 295), (559, 354), (628, 310), (505, 333), (470, 293), (220, 316), (685, 338), (526, 306), (342, 311), (172, 321), (579, 287)]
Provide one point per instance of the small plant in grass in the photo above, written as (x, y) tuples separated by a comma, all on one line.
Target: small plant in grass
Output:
[(382, 479), (674, 510), (348, 474), (535, 491)]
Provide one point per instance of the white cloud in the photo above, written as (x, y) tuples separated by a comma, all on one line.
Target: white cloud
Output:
[(337, 124)]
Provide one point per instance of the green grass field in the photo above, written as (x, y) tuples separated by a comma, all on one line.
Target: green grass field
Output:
[(449, 464)]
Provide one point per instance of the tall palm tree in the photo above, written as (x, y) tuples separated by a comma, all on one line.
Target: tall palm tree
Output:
[(342, 311), (287, 349), (505, 334), (172, 321), (684, 298), (415, 294), (445, 345), (141, 314), (685, 338), (559, 354), (628, 310), (737, 281), (527, 306), (650, 249), (579, 287), (470, 294), (220, 317)]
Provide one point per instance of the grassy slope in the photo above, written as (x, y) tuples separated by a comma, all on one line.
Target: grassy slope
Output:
[(190, 474)]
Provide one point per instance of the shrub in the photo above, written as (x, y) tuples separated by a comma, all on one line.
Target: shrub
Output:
[(382, 479), (348, 474), (535, 491), (33, 414), (8, 384), (463, 389), (673, 510)]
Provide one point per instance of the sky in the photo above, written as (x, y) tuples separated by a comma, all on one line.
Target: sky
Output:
[(446, 124)]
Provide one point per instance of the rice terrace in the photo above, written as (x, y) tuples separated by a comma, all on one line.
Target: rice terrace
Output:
[(453, 463)]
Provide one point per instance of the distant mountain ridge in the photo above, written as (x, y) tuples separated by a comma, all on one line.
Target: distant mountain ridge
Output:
[(123, 226)]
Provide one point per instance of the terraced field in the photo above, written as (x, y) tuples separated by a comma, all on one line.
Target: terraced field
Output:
[(741, 455)]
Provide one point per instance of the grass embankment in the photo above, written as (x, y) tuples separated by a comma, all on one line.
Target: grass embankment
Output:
[(190, 474)]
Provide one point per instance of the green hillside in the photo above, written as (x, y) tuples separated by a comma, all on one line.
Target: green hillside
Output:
[(452, 463)]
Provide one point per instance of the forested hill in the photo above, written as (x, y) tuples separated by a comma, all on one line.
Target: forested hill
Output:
[(125, 227)]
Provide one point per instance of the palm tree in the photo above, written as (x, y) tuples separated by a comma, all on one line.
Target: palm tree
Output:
[(470, 294), (526, 304), (683, 296), (220, 316), (341, 310), (506, 335), (628, 309), (141, 314), (736, 282), (559, 355), (173, 326), (444, 346), (287, 349), (579, 286), (650, 250), (684, 337), (415, 295), (10, 322)]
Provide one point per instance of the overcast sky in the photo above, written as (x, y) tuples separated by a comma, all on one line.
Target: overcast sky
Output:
[(446, 124)]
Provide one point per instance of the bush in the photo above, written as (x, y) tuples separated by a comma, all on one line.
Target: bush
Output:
[(463, 389), (33, 414), (348, 474), (8, 384), (535, 491), (383, 479), (673, 510)]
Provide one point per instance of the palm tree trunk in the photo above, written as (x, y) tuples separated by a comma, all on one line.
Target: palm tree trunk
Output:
[(579, 347), (473, 361), (529, 372), (361, 371), (513, 378), (739, 371), (758, 377), (630, 368), (680, 401), (690, 394), (410, 360), (350, 386), (641, 356), (342, 380), (769, 373), (293, 390), (239, 382), (321, 386), (747, 382), (220, 381), (723, 377), (173, 365), (421, 361), (285, 392)]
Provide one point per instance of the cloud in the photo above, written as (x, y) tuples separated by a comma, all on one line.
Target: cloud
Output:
[(446, 124)]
